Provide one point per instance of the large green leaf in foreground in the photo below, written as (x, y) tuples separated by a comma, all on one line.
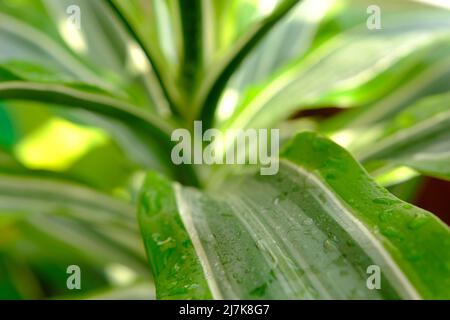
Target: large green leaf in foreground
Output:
[(309, 232)]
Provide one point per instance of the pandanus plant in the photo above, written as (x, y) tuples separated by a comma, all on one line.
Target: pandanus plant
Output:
[(91, 91)]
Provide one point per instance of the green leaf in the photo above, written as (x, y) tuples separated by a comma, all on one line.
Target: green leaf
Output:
[(99, 42), (92, 205), (26, 42), (191, 16), (101, 227), (289, 40), (430, 77), (342, 63), (367, 128), (147, 124), (309, 232), (34, 258), (99, 52), (138, 147), (214, 83), (33, 126), (71, 96), (140, 21), (170, 251)]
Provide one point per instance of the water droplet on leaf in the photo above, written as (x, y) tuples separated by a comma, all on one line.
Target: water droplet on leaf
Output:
[(386, 215), (308, 222), (418, 221), (384, 200), (276, 201), (328, 245)]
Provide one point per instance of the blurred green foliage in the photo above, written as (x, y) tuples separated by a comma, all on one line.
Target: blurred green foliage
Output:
[(84, 113)]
